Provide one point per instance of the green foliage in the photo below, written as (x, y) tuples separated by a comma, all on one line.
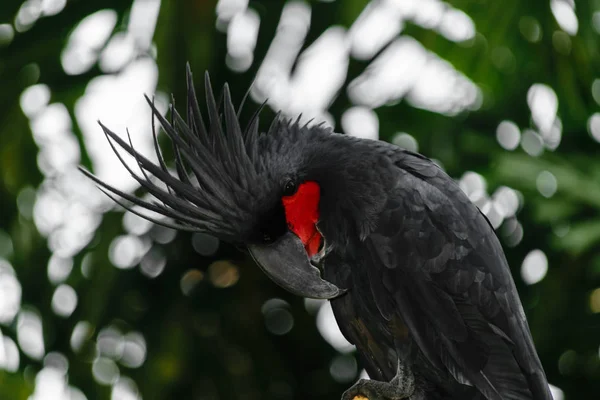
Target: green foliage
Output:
[(212, 342)]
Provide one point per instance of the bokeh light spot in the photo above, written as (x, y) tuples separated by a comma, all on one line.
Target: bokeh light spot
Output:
[(557, 393), (596, 21), (279, 321), (565, 16), (135, 224), (28, 14), (561, 229), (530, 29), (81, 51), (534, 267), (457, 26), (58, 361), (596, 90), (205, 245), (162, 235), (242, 34), (52, 7), (125, 389), (105, 371), (9, 354), (82, 332), (312, 306), (546, 183), (30, 335), (25, 201), (134, 350), (376, 26), (110, 343), (594, 126), (64, 300), (361, 122), (406, 141), (493, 213), (475, 187), (125, 251), (508, 135), (50, 383), (512, 232), (34, 99), (343, 368), (227, 9), (567, 362), (59, 269), (153, 263), (504, 59), (507, 201), (223, 274), (189, 280), (6, 245), (329, 329), (543, 103), (273, 304), (10, 293), (532, 143), (595, 300), (561, 42), (87, 265), (6, 34), (119, 51)]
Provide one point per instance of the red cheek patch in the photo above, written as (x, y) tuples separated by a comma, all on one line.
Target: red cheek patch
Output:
[(302, 215)]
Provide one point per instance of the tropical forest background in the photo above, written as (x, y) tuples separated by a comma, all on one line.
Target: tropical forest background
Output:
[(99, 304)]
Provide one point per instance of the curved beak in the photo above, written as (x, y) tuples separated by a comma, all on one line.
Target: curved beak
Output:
[(285, 261)]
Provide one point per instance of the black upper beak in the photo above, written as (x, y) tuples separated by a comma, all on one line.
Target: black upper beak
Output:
[(285, 261)]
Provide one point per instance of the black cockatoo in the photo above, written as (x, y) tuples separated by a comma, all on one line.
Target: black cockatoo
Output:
[(416, 277)]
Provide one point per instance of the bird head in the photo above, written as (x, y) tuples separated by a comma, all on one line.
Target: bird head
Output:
[(289, 195)]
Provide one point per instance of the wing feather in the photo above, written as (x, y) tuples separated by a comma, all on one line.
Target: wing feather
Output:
[(437, 257)]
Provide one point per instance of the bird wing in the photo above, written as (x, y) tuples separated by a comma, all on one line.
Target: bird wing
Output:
[(437, 263)]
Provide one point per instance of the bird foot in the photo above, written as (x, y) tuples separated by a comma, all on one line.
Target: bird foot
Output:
[(399, 388), (366, 389)]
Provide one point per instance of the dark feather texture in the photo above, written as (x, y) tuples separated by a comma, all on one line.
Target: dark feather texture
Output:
[(211, 192), (431, 282), (428, 283)]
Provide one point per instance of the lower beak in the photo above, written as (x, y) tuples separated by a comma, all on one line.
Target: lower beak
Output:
[(285, 261)]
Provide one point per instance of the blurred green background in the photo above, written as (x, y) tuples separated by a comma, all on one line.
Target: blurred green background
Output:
[(97, 304)]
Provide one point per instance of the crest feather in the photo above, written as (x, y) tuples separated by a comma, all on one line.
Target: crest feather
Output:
[(214, 165)]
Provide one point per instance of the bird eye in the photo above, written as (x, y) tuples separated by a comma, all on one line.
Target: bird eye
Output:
[(290, 187)]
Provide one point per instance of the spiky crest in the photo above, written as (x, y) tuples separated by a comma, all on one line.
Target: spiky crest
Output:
[(216, 182)]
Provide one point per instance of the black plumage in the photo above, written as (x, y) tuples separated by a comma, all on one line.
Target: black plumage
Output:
[(426, 278), (441, 293)]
